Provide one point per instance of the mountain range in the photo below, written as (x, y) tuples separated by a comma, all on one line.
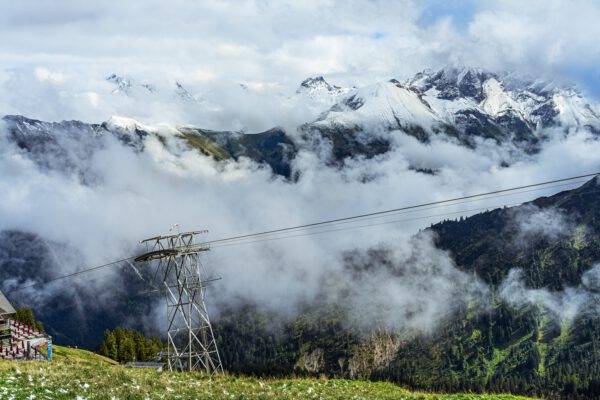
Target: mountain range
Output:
[(532, 328), (469, 107)]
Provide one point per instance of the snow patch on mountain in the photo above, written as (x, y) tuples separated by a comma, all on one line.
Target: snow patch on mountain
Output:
[(574, 110), (472, 99), (387, 105), (497, 101), (446, 109), (130, 125), (128, 86), (124, 123), (182, 93)]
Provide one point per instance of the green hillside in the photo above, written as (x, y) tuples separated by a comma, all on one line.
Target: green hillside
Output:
[(84, 375)]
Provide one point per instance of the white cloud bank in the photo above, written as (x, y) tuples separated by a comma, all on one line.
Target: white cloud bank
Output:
[(564, 305), (105, 196)]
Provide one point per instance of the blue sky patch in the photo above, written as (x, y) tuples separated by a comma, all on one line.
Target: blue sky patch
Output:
[(461, 12)]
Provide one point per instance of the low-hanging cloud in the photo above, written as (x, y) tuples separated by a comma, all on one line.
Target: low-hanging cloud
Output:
[(99, 196), (406, 284), (534, 223), (563, 305)]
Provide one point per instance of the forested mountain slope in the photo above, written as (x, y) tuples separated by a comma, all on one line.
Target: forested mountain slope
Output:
[(535, 330), (538, 333)]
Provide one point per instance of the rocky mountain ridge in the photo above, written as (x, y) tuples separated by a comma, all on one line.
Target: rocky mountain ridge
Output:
[(468, 105), (465, 98), (463, 106)]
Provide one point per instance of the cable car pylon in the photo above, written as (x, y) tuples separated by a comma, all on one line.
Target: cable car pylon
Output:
[(191, 344)]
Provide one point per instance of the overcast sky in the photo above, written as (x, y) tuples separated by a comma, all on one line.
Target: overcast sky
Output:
[(283, 42)]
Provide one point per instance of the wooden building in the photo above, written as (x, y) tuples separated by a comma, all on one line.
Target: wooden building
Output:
[(19, 341)]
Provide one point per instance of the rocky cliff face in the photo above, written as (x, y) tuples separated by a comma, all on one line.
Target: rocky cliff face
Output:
[(375, 353)]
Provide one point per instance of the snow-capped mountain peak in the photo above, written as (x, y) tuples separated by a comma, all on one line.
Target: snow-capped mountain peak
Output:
[(318, 86), (389, 105), (537, 103), (123, 84), (452, 83), (126, 124), (466, 107), (127, 85), (574, 110), (183, 93), (464, 103)]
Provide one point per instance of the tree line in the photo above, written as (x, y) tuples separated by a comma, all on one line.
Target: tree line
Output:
[(26, 316), (126, 345)]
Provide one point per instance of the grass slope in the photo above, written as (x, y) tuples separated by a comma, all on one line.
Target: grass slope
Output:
[(80, 374)]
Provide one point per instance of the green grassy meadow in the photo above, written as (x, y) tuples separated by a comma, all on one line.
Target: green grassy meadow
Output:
[(80, 374)]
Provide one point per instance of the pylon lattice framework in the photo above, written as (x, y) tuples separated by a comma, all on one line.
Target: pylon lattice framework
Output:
[(191, 344)]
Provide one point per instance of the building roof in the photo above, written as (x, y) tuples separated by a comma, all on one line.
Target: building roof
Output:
[(5, 306)]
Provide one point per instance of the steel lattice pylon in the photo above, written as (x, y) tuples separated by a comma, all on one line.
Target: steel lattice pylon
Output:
[(191, 344)]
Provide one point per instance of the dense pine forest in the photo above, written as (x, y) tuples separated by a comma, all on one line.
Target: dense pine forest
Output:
[(126, 345)]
